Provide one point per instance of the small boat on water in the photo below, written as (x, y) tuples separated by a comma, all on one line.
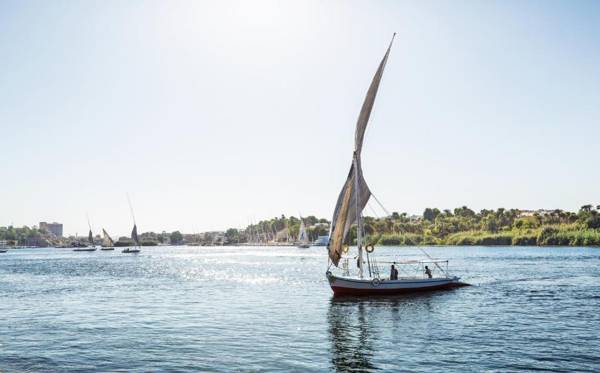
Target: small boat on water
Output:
[(91, 246), (352, 200), (134, 234), (88, 248), (131, 250), (417, 277), (108, 243), (303, 242), (134, 237)]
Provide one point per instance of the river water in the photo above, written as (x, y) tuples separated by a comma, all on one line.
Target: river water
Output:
[(271, 309)]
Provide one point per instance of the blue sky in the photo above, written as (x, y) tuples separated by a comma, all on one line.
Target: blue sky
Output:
[(212, 114)]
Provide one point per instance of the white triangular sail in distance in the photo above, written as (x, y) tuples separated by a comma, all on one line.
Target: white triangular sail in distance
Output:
[(302, 235), (345, 213)]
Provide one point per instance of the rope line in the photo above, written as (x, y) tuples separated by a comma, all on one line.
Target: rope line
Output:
[(381, 205)]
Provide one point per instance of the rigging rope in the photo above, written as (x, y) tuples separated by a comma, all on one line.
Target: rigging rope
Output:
[(381, 205), (434, 262), (373, 210)]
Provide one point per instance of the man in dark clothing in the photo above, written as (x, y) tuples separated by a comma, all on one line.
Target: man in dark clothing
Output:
[(428, 271), (393, 273)]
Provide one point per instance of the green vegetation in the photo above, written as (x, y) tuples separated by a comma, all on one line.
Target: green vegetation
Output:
[(21, 236), (463, 226), (176, 238)]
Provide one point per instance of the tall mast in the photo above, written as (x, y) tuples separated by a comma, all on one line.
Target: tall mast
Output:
[(131, 209), (90, 235), (343, 215), (358, 220)]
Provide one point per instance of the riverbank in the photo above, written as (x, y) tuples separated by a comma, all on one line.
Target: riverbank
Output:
[(545, 236)]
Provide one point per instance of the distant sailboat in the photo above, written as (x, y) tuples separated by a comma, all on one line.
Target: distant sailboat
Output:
[(109, 241), (134, 234), (303, 242), (91, 246), (348, 210), (134, 237)]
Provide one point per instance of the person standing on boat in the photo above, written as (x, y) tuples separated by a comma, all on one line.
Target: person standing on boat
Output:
[(393, 273), (428, 271)]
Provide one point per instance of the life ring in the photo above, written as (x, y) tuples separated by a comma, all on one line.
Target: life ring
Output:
[(376, 282), (345, 249), (370, 246)]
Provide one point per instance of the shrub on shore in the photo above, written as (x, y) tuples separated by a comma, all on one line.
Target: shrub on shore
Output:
[(404, 239), (503, 239), (524, 239), (550, 236), (545, 236), (479, 238), (462, 239)]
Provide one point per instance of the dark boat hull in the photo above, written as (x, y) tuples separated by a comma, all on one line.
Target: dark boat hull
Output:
[(130, 251), (362, 287)]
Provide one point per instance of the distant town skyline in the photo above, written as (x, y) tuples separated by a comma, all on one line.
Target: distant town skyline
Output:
[(214, 114)]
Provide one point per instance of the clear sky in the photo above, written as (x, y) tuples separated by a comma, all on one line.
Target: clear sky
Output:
[(212, 114)]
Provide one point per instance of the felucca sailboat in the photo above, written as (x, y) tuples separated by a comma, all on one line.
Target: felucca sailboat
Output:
[(91, 246), (303, 242), (348, 210), (109, 243), (134, 234), (134, 237)]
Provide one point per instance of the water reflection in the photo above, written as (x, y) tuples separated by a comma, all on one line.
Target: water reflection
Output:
[(358, 325), (351, 338)]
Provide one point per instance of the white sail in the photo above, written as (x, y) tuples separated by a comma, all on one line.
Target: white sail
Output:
[(302, 235), (345, 213)]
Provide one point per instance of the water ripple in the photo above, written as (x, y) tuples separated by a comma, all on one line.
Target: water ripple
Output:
[(270, 309)]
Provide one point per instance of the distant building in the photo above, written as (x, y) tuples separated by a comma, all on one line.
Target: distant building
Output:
[(54, 228), (541, 212), (321, 241)]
